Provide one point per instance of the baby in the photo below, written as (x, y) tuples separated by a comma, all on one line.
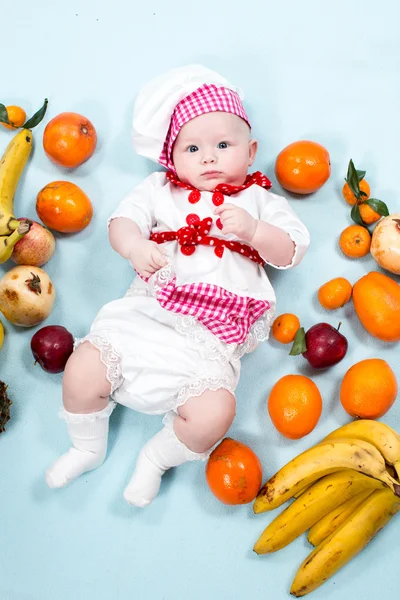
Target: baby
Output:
[(198, 236)]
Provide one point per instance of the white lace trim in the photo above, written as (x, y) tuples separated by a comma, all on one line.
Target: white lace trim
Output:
[(108, 356), (89, 417), (212, 348), (196, 387)]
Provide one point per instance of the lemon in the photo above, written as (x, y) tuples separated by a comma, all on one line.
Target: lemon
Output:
[(1, 334)]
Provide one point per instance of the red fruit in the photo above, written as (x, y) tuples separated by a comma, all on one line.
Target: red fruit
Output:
[(51, 347), (325, 346)]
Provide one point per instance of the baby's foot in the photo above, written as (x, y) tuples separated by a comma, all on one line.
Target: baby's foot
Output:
[(145, 482), (72, 464)]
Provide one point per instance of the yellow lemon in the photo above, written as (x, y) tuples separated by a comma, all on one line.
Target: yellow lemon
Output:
[(1, 334)]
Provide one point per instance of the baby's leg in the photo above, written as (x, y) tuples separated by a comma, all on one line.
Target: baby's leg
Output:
[(201, 423), (86, 411)]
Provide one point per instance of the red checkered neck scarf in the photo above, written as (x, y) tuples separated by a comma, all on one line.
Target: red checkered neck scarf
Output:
[(207, 98)]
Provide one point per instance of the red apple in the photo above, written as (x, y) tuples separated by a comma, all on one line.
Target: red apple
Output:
[(51, 347), (326, 346), (35, 248), (322, 345)]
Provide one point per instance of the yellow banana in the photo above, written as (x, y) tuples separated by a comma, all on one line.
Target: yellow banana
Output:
[(346, 542), (325, 495), (11, 166), (7, 242), (330, 522), (318, 461), (385, 439)]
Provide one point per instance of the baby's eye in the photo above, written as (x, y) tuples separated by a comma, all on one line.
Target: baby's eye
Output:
[(222, 145), (192, 149)]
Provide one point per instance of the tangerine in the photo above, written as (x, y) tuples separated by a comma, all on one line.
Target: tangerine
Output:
[(234, 472), (350, 197), (303, 167), (355, 241), (368, 214), (16, 116), (64, 207), (69, 139), (335, 293), (295, 406), (368, 389), (285, 327)]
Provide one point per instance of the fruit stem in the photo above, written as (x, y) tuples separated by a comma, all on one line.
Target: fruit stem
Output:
[(338, 327), (397, 221)]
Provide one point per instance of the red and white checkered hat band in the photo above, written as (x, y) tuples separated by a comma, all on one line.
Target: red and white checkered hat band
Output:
[(207, 98)]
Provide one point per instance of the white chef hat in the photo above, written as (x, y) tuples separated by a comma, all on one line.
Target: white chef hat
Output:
[(169, 101)]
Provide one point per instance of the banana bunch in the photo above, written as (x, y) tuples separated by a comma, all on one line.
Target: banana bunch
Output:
[(11, 167), (346, 491)]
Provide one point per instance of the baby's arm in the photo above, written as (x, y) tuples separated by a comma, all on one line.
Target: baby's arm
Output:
[(126, 238), (130, 226), (273, 243), (278, 235)]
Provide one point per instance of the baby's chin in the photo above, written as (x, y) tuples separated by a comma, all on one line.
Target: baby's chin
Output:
[(209, 183)]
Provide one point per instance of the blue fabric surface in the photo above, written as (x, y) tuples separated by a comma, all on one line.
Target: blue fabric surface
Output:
[(310, 70)]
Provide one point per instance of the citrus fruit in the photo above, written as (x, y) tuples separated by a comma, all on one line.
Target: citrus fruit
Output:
[(368, 389), (376, 299), (234, 472), (350, 197), (16, 116), (69, 139), (335, 293), (284, 328), (303, 167), (64, 207), (355, 241), (295, 406)]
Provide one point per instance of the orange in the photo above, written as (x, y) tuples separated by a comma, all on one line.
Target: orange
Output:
[(350, 197), (16, 116), (368, 214), (335, 293), (376, 299), (295, 406), (69, 139), (303, 167), (285, 327), (63, 206), (369, 388), (355, 241), (234, 472)]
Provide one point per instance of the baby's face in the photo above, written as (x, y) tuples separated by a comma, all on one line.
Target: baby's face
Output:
[(214, 148)]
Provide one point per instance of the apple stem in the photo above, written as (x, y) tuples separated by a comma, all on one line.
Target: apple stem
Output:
[(338, 327)]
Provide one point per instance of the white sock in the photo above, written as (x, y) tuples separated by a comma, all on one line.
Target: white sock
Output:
[(89, 437), (159, 454)]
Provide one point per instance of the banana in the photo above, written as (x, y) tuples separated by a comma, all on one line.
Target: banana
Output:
[(330, 522), (7, 242), (346, 542), (323, 459), (385, 439), (11, 166), (325, 495)]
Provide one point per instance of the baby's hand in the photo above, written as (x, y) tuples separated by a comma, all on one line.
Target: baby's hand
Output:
[(237, 221), (146, 257)]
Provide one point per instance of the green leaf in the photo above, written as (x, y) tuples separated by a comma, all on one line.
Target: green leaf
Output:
[(4, 115), (378, 206), (37, 117), (355, 215), (360, 174), (363, 194), (352, 180), (299, 343)]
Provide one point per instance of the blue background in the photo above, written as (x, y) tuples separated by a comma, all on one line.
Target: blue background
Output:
[(310, 70)]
